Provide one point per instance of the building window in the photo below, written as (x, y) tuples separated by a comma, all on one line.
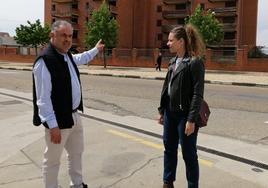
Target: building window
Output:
[(202, 5), (229, 35), (53, 20), (180, 21), (87, 19), (230, 4), (75, 34), (229, 52), (160, 37), (181, 6), (112, 2), (53, 8), (158, 23), (74, 20), (75, 5), (87, 5), (159, 8), (228, 19), (114, 15)]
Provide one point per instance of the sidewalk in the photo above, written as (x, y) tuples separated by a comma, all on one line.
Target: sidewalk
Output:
[(119, 157), (257, 79)]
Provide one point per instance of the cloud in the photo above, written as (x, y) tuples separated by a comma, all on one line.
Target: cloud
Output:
[(262, 39), (14, 12), (262, 25)]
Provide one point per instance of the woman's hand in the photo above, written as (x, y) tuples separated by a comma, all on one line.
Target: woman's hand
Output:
[(189, 128), (161, 119)]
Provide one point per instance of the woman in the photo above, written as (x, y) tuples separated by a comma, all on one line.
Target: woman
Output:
[(180, 103)]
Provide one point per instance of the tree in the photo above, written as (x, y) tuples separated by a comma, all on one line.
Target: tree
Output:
[(32, 35), (102, 26), (207, 24)]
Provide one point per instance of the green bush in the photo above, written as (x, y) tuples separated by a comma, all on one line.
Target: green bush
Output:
[(256, 52)]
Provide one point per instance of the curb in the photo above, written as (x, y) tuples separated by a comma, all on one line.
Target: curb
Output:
[(237, 83), (147, 78)]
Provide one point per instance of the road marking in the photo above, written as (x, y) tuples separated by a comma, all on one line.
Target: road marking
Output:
[(266, 122), (133, 138), (151, 144)]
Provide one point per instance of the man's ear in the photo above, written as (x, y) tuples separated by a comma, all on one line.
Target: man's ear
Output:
[(51, 34)]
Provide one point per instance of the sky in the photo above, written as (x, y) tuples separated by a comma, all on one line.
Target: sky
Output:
[(16, 12)]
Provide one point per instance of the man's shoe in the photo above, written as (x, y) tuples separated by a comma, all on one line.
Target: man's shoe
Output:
[(84, 185), (79, 186), (168, 185)]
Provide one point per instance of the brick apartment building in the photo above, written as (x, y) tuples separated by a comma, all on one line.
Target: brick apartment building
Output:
[(145, 23)]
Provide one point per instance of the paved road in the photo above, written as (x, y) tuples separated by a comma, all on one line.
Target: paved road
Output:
[(237, 112)]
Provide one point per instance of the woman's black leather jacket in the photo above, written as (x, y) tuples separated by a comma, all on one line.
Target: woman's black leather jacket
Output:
[(186, 87)]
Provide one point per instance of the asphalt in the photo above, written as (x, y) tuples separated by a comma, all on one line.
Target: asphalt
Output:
[(253, 79), (122, 162)]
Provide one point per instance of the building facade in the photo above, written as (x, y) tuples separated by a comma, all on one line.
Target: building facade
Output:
[(145, 24), (239, 19)]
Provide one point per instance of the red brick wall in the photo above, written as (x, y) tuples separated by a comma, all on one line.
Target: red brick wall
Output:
[(241, 63), (7, 50)]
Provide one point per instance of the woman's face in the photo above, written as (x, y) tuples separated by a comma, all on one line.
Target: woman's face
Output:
[(175, 45)]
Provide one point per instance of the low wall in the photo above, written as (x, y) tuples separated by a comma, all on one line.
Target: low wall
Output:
[(18, 58), (257, 64), (239, 62), (7, 50)]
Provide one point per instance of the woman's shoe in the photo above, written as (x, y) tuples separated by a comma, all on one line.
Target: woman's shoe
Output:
[(168, 185)]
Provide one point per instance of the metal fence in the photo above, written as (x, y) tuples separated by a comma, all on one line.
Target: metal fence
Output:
[(223, 56)]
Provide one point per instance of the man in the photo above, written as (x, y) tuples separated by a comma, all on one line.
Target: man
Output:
[(57, 97)]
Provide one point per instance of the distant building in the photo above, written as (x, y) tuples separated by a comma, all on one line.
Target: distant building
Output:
[(6, 40), (146, 23), (4, 34)]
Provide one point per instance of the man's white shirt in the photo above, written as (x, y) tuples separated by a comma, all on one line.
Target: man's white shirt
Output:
[(43, 85)]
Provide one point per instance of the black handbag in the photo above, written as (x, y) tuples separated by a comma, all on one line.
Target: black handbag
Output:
[(204, 111), (204, 114)]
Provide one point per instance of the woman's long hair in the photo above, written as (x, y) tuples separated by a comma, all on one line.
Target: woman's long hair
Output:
[(194, 44)]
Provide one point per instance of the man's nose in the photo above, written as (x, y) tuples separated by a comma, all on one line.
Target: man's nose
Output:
[(69, 38)]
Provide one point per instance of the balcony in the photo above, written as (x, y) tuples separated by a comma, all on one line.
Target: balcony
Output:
[(175, 14), (213, 1), (228, 43), (75, 12), (62, 1), (229, 27), (75, 42), (61, 14), (113, 9), (226, 11), (168, 28), (174, 2), (75, 26), (65, 1)]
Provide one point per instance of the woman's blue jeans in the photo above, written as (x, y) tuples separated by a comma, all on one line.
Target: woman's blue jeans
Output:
[(174, 128)]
